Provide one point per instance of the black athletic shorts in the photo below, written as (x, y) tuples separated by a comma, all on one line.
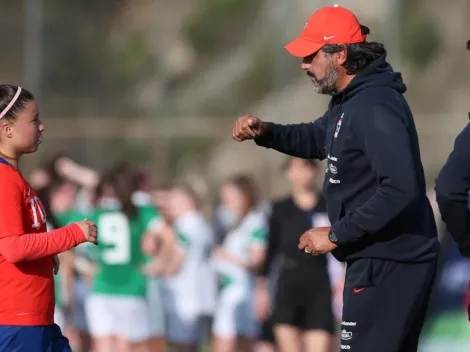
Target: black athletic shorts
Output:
[(267, 333), (304, 304), (385, 305)]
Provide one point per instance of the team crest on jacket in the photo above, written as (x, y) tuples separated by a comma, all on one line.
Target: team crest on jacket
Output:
[(338, 125)]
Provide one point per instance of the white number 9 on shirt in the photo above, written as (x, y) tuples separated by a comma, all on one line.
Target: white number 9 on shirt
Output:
[(114, 231)]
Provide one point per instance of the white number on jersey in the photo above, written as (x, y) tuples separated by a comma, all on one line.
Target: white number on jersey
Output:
[(114, 231), (36, 207)]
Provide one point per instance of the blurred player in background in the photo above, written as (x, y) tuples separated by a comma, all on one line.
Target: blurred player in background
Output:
[(117, 311), (189, 294), (237, 260), (164, 247), (53, 202), (302, 307), (223, 219), (158, 245), (27, 250), (73, 188)]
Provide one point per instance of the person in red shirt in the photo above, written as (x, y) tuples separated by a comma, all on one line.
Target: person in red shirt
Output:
[(27, 251)]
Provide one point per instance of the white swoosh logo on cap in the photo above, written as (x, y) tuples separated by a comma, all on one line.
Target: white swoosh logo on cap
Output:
[(328, 38)]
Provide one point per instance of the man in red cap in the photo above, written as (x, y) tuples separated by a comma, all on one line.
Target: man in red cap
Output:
[(383, 226)]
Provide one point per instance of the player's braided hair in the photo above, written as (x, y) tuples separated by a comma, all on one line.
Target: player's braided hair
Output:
[(7, 93)]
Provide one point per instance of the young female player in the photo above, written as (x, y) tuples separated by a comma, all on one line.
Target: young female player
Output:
[(237, 259), (26, 248), (188, 294), (116, 309)]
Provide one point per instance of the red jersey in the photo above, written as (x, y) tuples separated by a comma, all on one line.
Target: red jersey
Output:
[(26, 250)]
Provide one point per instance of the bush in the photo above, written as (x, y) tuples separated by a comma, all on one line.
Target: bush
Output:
[(219, 23), (420, 38), (258, 80)]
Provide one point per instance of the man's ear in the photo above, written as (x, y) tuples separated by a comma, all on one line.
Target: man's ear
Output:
[(342, 56)]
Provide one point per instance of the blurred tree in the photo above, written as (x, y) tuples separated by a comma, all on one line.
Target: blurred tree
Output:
[(220, 24), (258, 79), (420, 42), (84, 73), (12, 27)]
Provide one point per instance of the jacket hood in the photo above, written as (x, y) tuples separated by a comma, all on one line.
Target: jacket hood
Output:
[(378, 74)]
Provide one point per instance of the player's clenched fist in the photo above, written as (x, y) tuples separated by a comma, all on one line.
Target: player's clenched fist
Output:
[(90, 230), (248, 127)]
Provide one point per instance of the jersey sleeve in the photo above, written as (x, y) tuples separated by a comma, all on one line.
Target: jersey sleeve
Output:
[(182, 240), (11, 204), (258, 232), (40, 245), (183, 236)]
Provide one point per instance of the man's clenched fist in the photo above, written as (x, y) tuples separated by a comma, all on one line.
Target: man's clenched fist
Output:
[(248, 127)]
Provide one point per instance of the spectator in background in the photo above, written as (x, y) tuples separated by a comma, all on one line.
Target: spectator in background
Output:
[(223, 219), (237, 260), (63, 278), (72, 191), (189, 294), (302, 307), (58, 199), (117, 309)]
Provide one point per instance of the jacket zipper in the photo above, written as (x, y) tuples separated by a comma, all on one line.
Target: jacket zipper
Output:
[(330, 152)]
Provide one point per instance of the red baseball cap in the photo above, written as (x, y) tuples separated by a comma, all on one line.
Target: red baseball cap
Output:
[(328, 25)]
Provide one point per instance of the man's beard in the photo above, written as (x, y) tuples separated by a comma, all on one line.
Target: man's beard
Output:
[(327, 85)]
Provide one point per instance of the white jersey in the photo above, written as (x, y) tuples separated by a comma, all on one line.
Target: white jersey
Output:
[(194, 277), (252, 231)]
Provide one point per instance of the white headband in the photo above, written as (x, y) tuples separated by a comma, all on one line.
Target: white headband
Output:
[(12, 102)]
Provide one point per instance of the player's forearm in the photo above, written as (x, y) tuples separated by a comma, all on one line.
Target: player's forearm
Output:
[(257, 255), (35, 246), (262, 282), (84, 176), (225, 255), (168, 257), (175, 262), (375, 214)]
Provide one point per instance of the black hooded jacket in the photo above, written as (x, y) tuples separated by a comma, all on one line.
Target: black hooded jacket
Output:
[(374, 183), (452, 187)]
